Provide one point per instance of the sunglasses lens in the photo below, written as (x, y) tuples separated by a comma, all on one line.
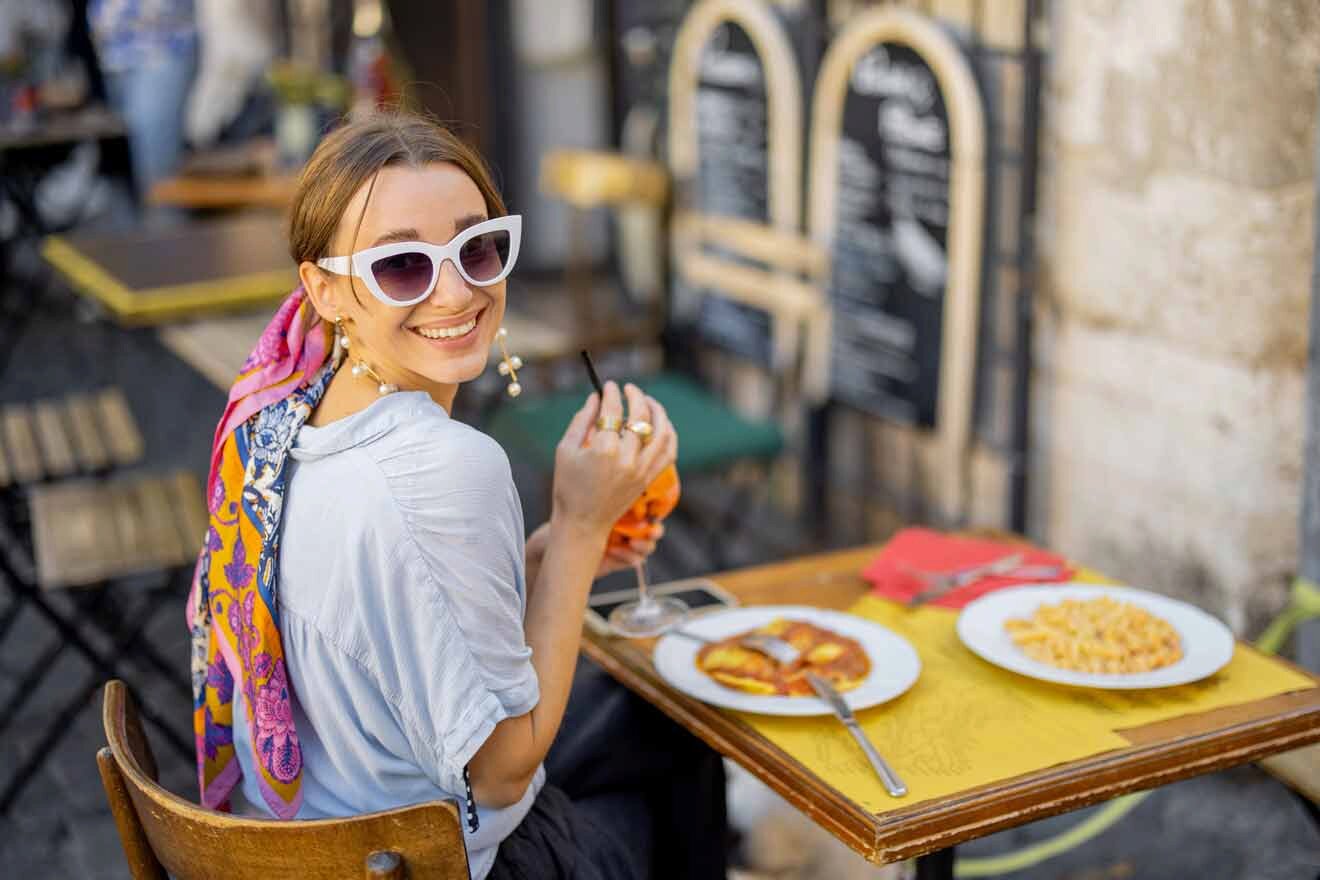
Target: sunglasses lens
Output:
[(404, 276), (485, 256)]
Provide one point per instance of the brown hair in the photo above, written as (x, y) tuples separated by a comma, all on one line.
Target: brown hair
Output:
[(352, 155)]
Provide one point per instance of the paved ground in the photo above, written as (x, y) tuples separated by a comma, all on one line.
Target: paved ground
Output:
[(1229, 826)]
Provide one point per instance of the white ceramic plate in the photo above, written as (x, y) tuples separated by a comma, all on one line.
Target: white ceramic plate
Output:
[(1207, 643), (894, 662)]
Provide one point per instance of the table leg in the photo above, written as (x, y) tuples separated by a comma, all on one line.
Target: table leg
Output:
[(936, 865), (817, 474)]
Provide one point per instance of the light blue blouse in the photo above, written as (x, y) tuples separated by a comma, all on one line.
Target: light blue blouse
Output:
[(401, 601)]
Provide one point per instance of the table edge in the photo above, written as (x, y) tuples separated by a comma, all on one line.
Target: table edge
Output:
[(155, 303)]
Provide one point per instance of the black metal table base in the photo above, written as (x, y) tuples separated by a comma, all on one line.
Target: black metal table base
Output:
[(936, 865)]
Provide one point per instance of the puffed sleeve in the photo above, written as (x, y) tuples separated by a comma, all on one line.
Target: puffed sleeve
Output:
[(457, 660)]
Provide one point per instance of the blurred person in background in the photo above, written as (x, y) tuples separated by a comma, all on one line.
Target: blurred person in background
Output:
[(148, 54), (239, 42)]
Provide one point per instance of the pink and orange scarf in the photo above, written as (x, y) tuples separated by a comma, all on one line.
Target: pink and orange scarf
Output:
[(233, 612)]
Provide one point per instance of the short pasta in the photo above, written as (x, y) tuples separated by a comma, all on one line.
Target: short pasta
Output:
[(1101, 635)]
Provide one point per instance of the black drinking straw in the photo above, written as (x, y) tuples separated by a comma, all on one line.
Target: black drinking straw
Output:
[(594, 376)]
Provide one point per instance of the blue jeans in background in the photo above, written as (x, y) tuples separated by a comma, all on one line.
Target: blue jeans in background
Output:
[(152, 101)]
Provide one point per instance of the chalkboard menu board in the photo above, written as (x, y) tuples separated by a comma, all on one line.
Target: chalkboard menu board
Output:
[(733, 174), (890, 246)]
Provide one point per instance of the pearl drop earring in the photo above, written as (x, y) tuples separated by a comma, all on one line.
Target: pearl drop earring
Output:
[(360, 368), (509, 366)]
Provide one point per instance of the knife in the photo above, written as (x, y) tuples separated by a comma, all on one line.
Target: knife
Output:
[(826, 692)]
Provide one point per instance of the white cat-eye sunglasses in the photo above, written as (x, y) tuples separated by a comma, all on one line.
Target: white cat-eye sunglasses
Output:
[(405, 273)]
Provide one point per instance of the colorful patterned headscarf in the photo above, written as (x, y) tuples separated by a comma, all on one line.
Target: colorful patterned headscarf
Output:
[(233, 611)]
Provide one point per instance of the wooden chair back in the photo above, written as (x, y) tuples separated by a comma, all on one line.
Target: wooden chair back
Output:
[(165, 834)]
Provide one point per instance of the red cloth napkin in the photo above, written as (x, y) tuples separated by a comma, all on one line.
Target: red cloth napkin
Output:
[(930, 551)]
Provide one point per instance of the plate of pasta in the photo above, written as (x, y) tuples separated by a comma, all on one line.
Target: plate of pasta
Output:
[(1097, 636)]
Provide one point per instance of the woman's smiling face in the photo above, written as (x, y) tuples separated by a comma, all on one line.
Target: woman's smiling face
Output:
[(445, 339)]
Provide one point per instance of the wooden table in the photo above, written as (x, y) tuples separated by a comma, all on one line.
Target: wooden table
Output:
[(1159, 753), (214, 192), (89, 123), (147, 276)]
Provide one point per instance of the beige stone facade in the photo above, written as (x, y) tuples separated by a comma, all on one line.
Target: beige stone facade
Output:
[(1176, 241)]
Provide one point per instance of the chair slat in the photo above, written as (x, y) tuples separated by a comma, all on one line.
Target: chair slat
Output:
[(121, 431), (53, 439), (21, 443), (88, 444), (68, 525), (114, 530), (190, 511), (127, 542), (155, 500)]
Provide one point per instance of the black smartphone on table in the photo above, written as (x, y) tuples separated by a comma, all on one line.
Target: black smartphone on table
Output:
[(699, 594)]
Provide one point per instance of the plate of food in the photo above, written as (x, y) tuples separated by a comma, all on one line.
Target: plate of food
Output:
[(1097, 636), (867, 663)]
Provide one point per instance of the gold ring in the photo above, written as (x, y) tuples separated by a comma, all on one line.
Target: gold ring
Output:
[(642, 429), (609, 423)]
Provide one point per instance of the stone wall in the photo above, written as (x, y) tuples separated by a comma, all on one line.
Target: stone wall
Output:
[(1176, 238)]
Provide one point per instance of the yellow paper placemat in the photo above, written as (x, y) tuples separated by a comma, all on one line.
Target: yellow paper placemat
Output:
[(967, 723)]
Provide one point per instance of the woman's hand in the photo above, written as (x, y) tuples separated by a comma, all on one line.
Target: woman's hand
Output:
[(599, 474)]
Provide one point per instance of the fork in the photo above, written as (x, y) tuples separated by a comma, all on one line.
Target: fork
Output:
[(786, 655), (937, 584)]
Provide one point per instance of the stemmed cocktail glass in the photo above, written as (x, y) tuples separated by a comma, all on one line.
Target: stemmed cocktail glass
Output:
[(649, 615)]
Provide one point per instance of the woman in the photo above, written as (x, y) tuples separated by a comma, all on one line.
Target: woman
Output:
[(369, 628)]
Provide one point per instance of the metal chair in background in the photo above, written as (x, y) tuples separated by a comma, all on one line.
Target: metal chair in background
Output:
[(70, 529)]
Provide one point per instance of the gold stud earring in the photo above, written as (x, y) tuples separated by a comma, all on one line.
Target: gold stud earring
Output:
[(509, 366)]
